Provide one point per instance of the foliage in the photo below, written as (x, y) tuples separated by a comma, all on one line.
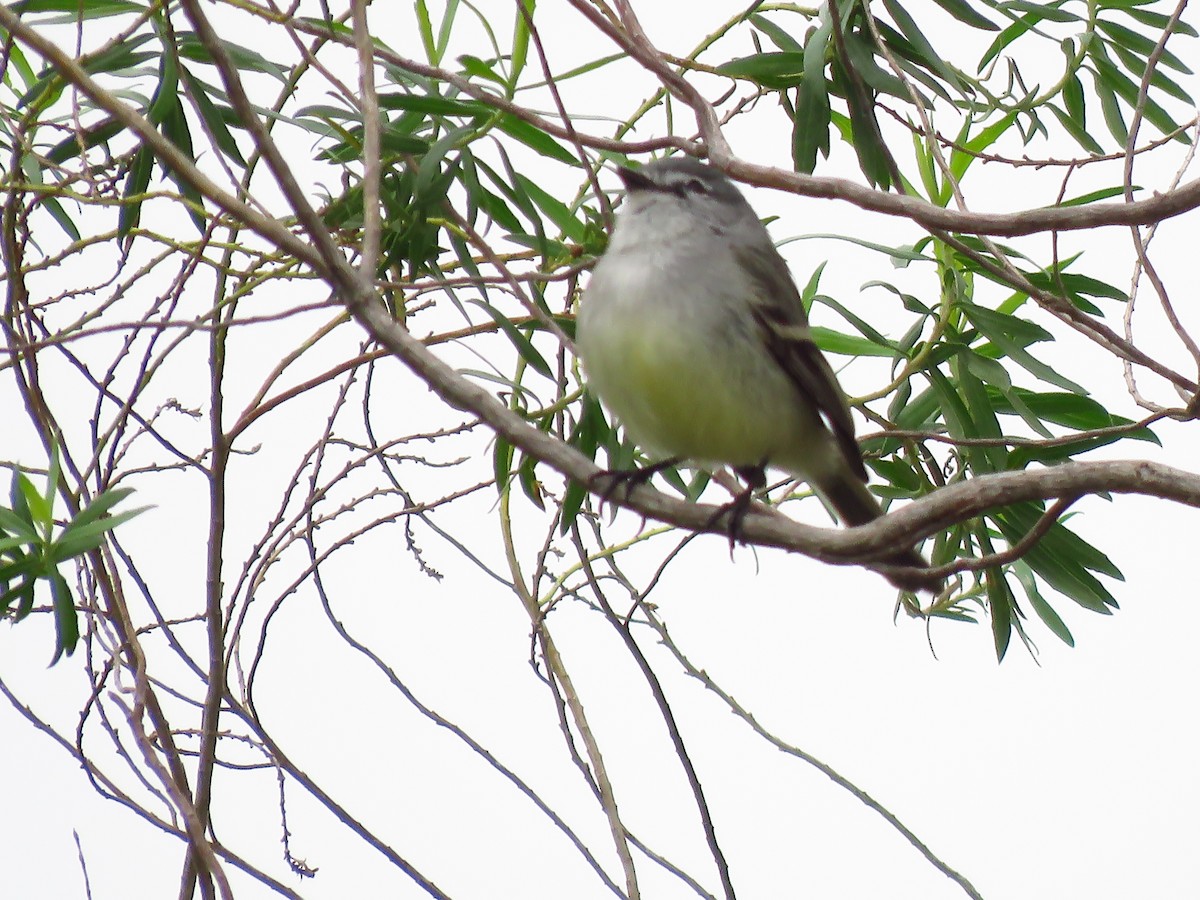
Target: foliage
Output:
[(159, 244), (32, 550)]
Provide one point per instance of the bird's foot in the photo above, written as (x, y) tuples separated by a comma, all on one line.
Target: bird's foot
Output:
[(737, 508), (625, 479)]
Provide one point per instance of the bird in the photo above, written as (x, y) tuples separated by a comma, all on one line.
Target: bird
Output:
[(691, 332)]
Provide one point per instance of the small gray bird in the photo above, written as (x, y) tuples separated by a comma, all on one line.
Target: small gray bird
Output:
[(692, 333)]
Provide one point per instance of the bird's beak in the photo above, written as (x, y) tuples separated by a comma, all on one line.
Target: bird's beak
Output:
[(633, 179)]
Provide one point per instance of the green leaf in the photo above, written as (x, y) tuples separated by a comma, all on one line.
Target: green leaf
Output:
[(848, 344), (476, 67), (520, 48), (431, 104), (771, 70), (996, 377), (90, 137), (135, 188), (1005, 332), (527, 477), (778, 36), (1139, 44), (502, 458), (557, 211), (175, 129), (1051, 12), (66, 623), (245, 59), (1006, 37), (533, 137), (868, 145), (861, 55), (1044, 611), (1113, 117), (91, 9), (929, 56), (1000, 605), (425, 29), (1158, 21), (41, 511), (961, 160), (520, 342), (1071, 411), (76, 540), (982, 414), (899, 475), (1082, 137), (1095, 196), (212, 115), (810, 132), (65, 222), (1059, 540), (965, 13), (445, 31), (16, 523)]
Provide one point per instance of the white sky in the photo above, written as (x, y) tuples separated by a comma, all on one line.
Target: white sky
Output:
[(1072, 776)]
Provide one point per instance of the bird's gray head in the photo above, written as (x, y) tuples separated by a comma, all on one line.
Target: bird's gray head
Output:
[(681, 193)]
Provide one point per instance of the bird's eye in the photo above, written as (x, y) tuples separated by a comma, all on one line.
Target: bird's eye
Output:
[(695, 186)]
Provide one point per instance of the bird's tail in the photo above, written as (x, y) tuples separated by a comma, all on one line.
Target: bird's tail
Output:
[(855, 505)]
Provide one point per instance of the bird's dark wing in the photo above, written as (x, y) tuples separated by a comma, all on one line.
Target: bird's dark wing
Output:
[(780, 314)]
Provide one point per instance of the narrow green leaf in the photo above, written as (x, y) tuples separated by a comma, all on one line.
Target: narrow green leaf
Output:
[(848, 344), (90, 137), (477, 68), (777, 35), (1139, 44), (520, 49), (212, 115), (999, 329), (1113, 117), (65, 222), (868, 144), (91, 9), (445, 30), (557, 211), (425, 29), (502, 458), (967, 14), (1158, 21), (1082, 137), (810, 133), (1000, 606), (18, 525), (929, 56), (961, 160), (861, 55), (66, 622), (533, 137), (519, 340), (772, 70), (1009, 34), (1044, 611), (41, 511), (77, 540), (431, 104), (1073, 98), (1051, 12), (985, 423), (527, 477), (1059, 540), (1159, 80), (135, 187)]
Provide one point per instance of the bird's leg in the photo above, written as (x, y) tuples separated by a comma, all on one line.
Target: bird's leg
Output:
[(736, 509), (627, 479)]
